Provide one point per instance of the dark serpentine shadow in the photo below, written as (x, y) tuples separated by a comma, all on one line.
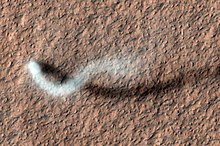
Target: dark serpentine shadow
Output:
[(140, 91)]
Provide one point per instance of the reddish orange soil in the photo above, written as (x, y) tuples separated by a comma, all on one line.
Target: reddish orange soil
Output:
[(176, 104)]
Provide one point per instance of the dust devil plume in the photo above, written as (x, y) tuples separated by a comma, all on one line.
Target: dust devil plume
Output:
[(84, 75)]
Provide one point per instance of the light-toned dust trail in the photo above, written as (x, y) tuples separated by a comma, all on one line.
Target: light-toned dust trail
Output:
[(119, 67)]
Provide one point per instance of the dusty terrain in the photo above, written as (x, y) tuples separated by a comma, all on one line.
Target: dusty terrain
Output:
[(177, 103)]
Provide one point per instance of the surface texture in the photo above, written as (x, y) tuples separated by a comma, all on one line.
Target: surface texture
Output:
[(173, 99)]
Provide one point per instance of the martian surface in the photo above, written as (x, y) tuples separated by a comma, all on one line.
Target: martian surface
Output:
[(166, 91)]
